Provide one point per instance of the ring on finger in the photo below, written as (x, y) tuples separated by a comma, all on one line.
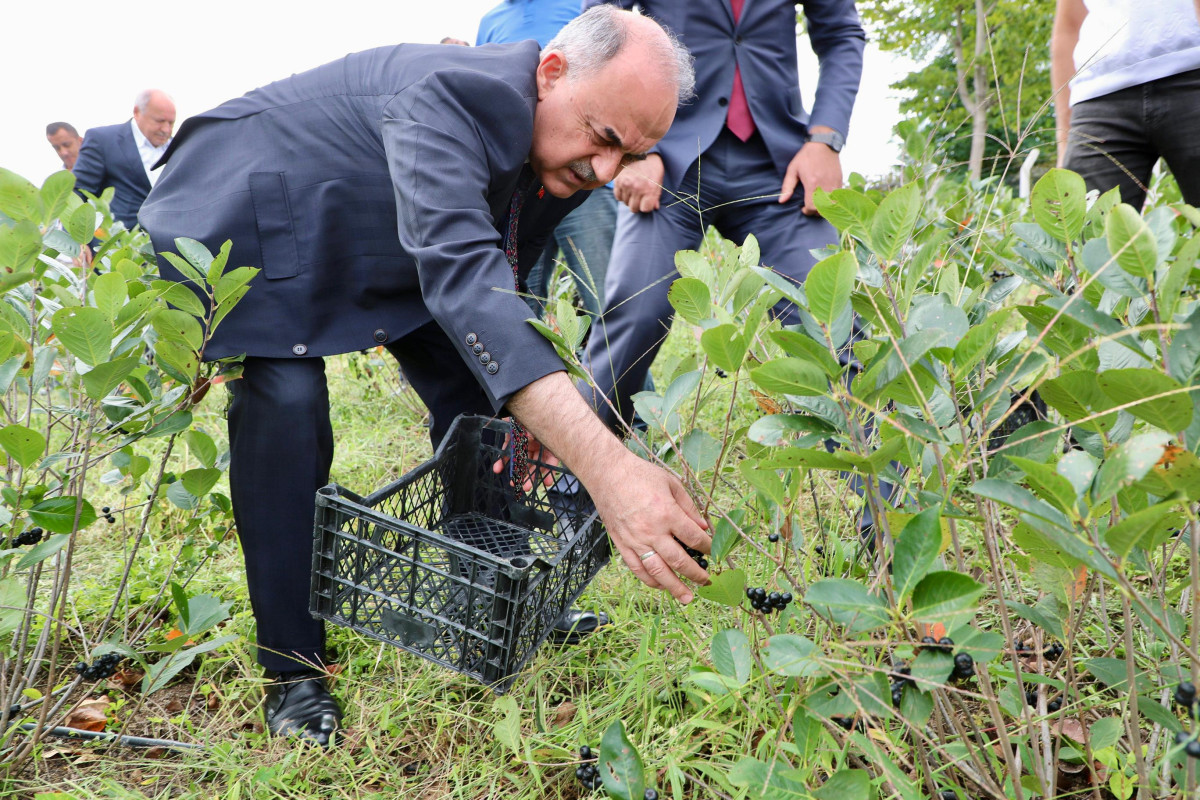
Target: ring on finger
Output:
[(645, 556)]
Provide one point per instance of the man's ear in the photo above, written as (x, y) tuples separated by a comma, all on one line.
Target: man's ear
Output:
[(551, 69)]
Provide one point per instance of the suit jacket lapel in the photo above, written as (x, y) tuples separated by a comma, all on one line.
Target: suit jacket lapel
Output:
[(133, 159)]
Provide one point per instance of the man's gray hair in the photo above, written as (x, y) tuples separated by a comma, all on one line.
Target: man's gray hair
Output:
[(595, 37), (143, 98)]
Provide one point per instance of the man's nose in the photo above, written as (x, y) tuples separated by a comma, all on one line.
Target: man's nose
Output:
[(606, 165)]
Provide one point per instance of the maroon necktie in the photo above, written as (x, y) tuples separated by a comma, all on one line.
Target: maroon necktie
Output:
[(739, 120)]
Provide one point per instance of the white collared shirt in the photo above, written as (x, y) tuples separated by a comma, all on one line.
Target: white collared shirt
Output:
[(149, 153)]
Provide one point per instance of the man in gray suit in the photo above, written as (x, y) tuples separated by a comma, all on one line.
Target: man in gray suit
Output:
[(745, 157), (373, 192)]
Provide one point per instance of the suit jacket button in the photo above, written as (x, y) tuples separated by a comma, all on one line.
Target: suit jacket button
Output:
[(381, 335), (493, 368), (299, 349), (471, 339), (722, 101), (485, 357), (477, 349)]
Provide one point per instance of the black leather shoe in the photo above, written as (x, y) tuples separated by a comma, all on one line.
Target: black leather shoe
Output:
[(299, 704), (575, 623)]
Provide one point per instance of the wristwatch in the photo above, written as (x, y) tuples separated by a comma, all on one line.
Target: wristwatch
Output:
[(832, 138)]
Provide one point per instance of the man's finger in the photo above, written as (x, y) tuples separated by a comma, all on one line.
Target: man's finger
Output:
[(789, 186), (659, 570)]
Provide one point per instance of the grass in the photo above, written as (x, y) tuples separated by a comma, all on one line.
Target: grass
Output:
[(413, 728)]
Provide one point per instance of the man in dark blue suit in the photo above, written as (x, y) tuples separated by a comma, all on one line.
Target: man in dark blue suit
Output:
[(121, 156), (745, 157), (375, 193)]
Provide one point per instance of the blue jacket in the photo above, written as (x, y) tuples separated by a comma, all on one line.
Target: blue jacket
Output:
[(372, 192), (763, 44), (109, 157)]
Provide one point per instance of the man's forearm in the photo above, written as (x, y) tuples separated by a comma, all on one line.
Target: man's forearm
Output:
[(1068, 17), (552, 409)]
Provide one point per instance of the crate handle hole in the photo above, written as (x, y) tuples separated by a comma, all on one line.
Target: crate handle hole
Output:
[(520, 562)]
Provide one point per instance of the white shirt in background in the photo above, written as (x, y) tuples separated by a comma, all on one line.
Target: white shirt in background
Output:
[(149, 153), (1125, 43)]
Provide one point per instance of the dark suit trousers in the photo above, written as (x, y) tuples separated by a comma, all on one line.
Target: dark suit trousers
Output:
[(281, 449), (738, 193)]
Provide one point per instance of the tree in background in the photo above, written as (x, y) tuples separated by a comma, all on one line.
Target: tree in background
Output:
[(984, 91)]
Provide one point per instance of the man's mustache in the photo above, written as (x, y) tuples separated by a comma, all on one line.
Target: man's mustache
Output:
[(583, 169)]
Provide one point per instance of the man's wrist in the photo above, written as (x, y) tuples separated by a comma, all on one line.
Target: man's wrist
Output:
[(828, 137)]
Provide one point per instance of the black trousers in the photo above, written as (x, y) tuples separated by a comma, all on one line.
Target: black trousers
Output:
[(281, 447)]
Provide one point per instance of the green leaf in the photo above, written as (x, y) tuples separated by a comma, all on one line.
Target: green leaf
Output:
[(23, 445), (1171, 413), (1131, 242), (804, 346), (916, 549), (790, 375), (846, 784), (204, 612), (849, 603), (184, 299), (217, 268), (200, 481), (978, 341), (1131, 531), (57, 514), (56, 193), (850, 212), (43, 550), (1059, 204), (1113, 673), (177, 360), (1127, 464), (931, 667), (691, 299), (232, 283), (182, 267), (109, 294), (1047, 483), (725, 587), (508, 727), (99, 382), (81, 225), (85, 332), (731, 654), (173, 423), (161, 673), (179, 495), (894, 221), (12, 604), (828, 286), (724, 538), (1041, 548), (725, 346), (700, 450), (1079, 468), (179, 327), (766, 481), (1021, 499), (942, 596), (693, 265), (196, 254), (1106, 732), (792, 655), (202, 447), (19, 199), (1076, 395), (776, 430), (620, 765)]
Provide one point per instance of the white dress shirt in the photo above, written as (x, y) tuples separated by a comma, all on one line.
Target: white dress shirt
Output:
[(149, 153)]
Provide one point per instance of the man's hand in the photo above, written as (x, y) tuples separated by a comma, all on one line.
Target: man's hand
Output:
[(645, 509), (639, 185), (815, 166)]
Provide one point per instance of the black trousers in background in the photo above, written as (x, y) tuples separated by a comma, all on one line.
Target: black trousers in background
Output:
[(1116, 139), (281, 448)]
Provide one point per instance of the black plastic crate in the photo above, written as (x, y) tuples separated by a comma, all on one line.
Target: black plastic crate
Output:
[(447, 564)]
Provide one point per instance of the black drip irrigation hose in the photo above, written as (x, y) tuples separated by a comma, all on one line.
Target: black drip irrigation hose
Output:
[(103, 736)]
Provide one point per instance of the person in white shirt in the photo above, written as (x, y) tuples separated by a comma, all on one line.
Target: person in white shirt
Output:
[(1128, 81), (122, 155)]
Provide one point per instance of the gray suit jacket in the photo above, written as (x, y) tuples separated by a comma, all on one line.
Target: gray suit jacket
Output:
[(109, 157), (763, 44), (372, 191)]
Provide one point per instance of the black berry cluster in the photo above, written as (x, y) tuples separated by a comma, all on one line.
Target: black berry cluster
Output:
[(849, 723), (1185, 695), (108, 517), (903, 676), (964, 667), (103, 667), (31, 536), (766, 603), (945, 644), (697, 556), (1031, 698), (586, 772), (1190, 745)]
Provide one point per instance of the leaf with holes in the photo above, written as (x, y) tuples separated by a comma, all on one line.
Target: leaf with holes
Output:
[(620, 765), (1059, 204)]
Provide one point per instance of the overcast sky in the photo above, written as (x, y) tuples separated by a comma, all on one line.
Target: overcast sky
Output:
[(84, 62)]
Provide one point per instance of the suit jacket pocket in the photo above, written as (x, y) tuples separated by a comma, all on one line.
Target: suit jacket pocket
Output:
[(276, 234)]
